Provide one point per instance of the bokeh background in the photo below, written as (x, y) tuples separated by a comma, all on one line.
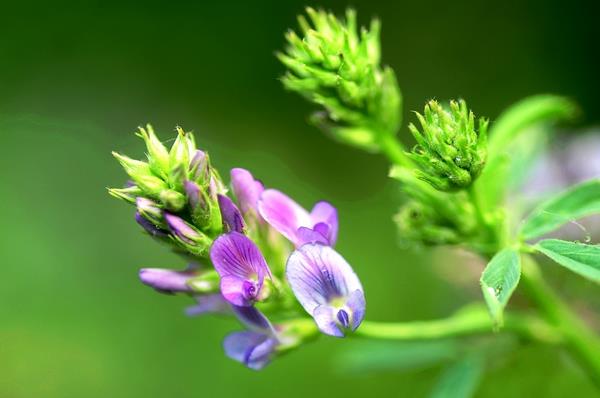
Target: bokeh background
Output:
[(77, 78)]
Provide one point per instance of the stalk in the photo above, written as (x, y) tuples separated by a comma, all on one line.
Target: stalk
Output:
[(579, 339)]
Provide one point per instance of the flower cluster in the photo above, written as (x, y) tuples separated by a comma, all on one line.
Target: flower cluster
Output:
[(450, 152), (335, 66), (257, 255)]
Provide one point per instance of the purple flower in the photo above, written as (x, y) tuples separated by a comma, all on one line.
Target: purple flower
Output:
[(242, 268), (208, 304), (232, 218), (295, 223), (254, 347), (327, 287), (247, 191), (167, 280)]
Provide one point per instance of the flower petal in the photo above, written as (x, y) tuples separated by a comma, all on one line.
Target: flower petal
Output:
[(209, 304), (241, 266), (356, 304), (325, 318), (324, 212), (232, 218), (253, 319), (239, 291), (317, 274), (307, 235), (246, 189), (234, 254), (250, 348), (166, 280), (283, 214)]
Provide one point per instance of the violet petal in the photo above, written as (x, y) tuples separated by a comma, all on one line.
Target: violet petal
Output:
[(232, 218), (246, 189), (283, 214)]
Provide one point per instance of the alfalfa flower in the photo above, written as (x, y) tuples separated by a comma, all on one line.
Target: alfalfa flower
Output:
[(262, 341), (242, 268), (297, 224), (327, 287), (451, 151)]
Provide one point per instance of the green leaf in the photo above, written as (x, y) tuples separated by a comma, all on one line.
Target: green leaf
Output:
[(460, 380), (499, 280), (579, 201), (578, 257), (514, 135), (524, 114)]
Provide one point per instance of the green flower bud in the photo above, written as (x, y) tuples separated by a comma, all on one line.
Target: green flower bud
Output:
[(172, 200), (419, 223), (336, 66), (128, 194), (158, 156), (450, 153), (142, 175)]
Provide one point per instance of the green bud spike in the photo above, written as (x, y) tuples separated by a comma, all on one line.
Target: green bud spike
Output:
[(128, 194), (450, 152), (158, 156), (172, 200), (134, 168), (338, 68), (179, 156)]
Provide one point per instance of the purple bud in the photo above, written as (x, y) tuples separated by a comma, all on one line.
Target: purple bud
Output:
[(166, 280), (150, 227), (182, 230), (231, 216)]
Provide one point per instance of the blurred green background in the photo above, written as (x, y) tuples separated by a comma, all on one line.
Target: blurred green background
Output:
[(76, 79)]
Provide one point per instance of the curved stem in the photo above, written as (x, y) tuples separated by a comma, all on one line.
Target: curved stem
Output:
[(582, 342), (474, 321), (393, 149)]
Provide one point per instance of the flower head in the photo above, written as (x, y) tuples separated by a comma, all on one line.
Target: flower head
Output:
[(327, 288), (450, 152), (242, 268), (336, 66), (297, 224)]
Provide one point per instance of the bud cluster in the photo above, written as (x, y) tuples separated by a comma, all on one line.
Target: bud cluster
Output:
[(334, 65), (175, 191), (450, 152)]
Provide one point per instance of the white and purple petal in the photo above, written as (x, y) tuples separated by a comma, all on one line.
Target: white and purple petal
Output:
[(253, 349), (326, 287), (209, 304), (241, 266)]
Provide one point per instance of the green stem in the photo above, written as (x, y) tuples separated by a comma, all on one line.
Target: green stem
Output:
[(393, 149), (475, 321), (582, 342)]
